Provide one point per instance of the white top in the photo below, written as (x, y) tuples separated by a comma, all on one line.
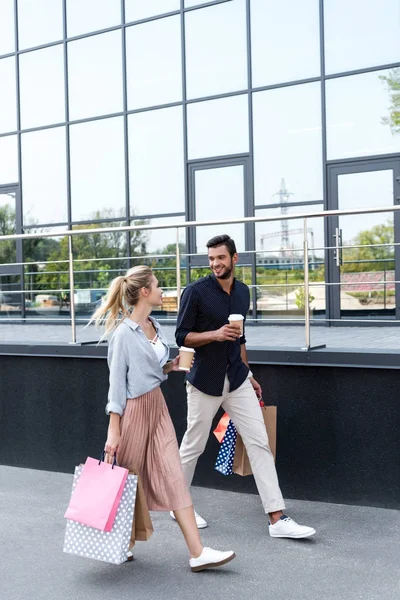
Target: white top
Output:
[(159, 348)]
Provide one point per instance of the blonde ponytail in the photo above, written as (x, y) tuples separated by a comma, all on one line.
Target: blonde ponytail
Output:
[(122, 295)]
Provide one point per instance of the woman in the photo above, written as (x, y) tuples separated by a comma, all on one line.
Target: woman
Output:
[(140, 429)]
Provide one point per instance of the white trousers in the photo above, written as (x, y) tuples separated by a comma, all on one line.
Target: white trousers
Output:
[(243, 408)]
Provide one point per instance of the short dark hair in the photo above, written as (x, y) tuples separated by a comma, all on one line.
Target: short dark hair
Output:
[(225, 240)]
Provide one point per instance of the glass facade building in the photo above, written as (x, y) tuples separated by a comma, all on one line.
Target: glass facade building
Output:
[(158, 111)]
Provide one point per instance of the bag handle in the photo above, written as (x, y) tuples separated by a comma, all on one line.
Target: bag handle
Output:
[(103, 455)]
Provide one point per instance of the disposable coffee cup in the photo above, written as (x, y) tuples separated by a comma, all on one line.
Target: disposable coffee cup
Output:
[(185, 358), (237, 320)]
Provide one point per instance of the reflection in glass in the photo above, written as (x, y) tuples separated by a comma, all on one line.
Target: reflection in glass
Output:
[(95, 75), (92, 277), (361, 34), (367, 273), (219, 194), (288, 144), (285, 41), (160, 246), (45, 280), (8, 102), (216, 56), (7, 37), (8, 159), (97, 169), (154, 63), (39, 22), (280, 262), (44, 177), (84, 16), (156, 162), (141, 9), (7, 227), (362, 114), (10, 301), (218, 127), (42, 87)]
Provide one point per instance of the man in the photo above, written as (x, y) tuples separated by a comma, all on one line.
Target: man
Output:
[(220, 376)]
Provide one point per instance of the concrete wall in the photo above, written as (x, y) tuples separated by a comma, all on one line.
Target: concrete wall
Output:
[(338, 427)]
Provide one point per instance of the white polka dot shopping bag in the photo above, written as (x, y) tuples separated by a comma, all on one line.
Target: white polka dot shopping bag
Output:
[(224, 462), (108, 546)]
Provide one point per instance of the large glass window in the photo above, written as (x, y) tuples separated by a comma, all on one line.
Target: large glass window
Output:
[(280, 262), (363, 114), (154, 62), (95, 75), (216, 56), (97, 169), (287, 144), (7, 37), (44, 180), (219, 194), (160, 244), (8, 248), (285, 40), (8, 102), (157, 241), (39, 22), (218, 127), (141, 9), (91, 15), (42, 87), (156, 163), (366, 273), (361, 34), (8, 159)]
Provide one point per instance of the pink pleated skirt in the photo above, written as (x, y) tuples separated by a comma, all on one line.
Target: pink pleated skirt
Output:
[(150, 448)]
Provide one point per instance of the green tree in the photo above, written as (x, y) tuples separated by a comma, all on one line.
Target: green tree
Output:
[(380, 256), (392, 81), (7, 227)]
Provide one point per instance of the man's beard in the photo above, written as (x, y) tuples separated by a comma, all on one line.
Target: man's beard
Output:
[(227, 272)]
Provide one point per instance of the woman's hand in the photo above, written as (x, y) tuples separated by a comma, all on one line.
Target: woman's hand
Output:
[(175, 363), (112, 445)]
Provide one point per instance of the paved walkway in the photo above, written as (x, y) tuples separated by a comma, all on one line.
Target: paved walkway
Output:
[(354, 556), (260, 336)]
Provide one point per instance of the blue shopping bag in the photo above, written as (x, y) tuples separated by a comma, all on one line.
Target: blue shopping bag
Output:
[(226, 454)]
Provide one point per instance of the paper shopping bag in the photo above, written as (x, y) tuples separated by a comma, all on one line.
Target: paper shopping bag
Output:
[(142, 527), (108, 546), (97, 494), (241, 463)]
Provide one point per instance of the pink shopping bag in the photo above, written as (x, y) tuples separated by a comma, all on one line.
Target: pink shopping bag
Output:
[(97, 495)]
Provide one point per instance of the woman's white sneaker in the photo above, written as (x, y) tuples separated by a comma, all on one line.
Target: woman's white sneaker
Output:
[(287, 528), (210, 559), (200, 522)]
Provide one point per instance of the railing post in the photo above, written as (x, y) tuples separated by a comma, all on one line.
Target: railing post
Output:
[(71, 289), (178, 271), (306, 288), (307, 294)]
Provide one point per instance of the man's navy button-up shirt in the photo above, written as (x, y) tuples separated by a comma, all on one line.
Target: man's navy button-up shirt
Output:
[(205, 306)]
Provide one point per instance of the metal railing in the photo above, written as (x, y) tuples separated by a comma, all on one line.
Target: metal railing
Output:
[(305, 262)]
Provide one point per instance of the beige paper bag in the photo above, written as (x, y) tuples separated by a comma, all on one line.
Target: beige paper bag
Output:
[(241, 463)]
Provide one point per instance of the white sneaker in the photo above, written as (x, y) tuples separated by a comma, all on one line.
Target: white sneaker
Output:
[(201, 523), (287, 528), (210, 558)]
